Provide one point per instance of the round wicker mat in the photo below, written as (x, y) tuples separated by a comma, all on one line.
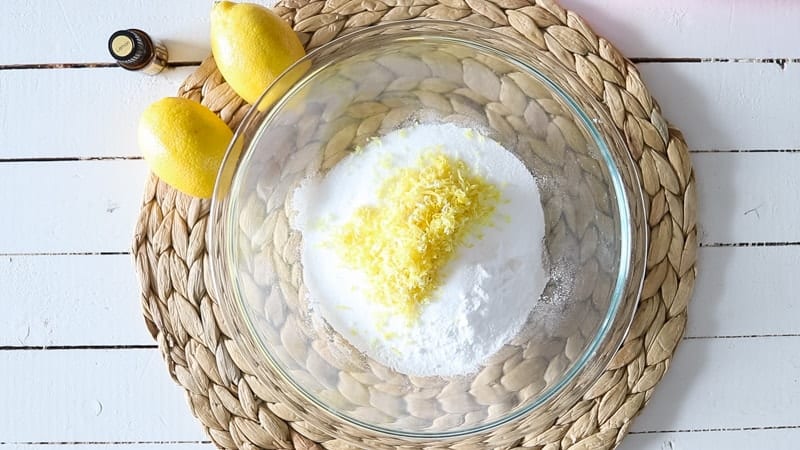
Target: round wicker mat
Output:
[(233, 405)]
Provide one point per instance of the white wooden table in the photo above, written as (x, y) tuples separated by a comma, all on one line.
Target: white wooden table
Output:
[(78, 370)]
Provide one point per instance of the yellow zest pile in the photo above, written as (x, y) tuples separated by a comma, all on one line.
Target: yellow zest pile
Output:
[(423, 215)]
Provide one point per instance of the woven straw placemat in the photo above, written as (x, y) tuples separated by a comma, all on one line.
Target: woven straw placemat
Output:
[(237, 410)]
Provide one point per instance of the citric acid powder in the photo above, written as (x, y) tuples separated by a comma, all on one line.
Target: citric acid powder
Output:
[(455, 313)]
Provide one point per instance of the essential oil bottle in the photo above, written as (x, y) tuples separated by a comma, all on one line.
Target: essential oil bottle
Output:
[(135, 50)]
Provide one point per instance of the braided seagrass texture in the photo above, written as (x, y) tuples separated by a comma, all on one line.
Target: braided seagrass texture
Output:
[(238, 411)]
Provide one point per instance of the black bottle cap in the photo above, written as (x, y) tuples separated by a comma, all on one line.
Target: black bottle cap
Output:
[(133, 49)]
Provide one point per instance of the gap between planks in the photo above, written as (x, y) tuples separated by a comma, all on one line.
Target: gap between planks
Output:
[(47, 159), (38, 348), (77, 347), (711, 430), (701, 245), (69, 159), (105, 443), (748, 244), (781, 62), (13, 254), (96, 65), (691, 430)]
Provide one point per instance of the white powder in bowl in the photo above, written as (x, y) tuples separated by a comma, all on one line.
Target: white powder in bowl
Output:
[(487, 290)]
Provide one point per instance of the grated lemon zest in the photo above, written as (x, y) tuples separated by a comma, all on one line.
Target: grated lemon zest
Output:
[(423, 215)]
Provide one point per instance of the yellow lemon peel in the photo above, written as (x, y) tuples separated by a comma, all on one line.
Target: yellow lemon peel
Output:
[(424, 214)]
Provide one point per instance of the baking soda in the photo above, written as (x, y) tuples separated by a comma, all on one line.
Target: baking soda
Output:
[(487, 290)]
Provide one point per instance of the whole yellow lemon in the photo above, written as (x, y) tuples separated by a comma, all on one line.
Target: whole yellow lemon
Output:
[(251, 46), (184, 143)]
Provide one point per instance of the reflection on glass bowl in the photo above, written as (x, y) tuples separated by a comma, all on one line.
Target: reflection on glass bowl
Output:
[(371, 83)]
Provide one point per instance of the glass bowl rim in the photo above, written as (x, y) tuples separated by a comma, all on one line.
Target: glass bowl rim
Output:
[(234, 308)]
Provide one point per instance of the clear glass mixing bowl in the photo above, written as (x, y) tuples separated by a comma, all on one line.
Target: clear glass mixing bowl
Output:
[(367, 84)]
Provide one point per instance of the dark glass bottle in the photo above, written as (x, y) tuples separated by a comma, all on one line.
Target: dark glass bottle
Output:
[(135, 50)]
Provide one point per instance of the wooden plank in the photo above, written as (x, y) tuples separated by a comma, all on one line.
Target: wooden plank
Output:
[(717, 106), (73, 206), (104, 445), (77, 32), (748, 197), (691, 29), (55, 296), (729, 440), (688, 28), (139, 403), (738, 293), (724, 106), (780, 439), (727, 384), (91, 206), (746, 291), (92, 396), (77, 112), (60, 33)]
